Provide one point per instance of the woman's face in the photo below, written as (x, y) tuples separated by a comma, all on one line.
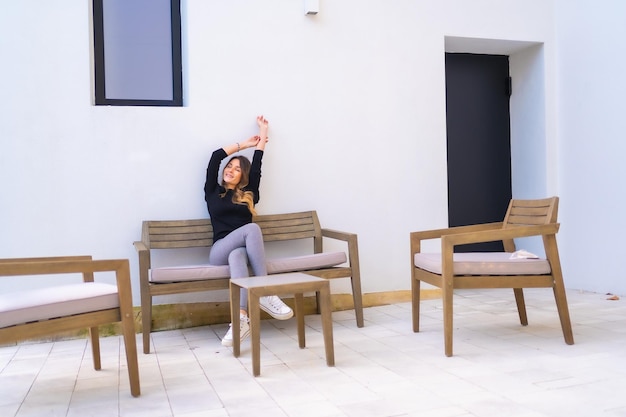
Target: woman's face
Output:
[(232, 174)]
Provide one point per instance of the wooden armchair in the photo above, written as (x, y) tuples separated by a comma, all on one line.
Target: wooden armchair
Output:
[(35, 313), (449, 271)]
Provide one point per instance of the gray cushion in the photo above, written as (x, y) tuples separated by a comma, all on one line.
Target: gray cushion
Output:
[(484, 263), (274, 266), (189, 273), (306, 262), (19, 307)]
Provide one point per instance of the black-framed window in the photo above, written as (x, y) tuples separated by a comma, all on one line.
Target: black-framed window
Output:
[(137, 52)]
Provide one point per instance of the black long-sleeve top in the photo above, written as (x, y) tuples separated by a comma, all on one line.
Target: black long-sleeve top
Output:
[(227, 216)]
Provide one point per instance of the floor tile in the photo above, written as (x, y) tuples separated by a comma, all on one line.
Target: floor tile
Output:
[(383, 369)]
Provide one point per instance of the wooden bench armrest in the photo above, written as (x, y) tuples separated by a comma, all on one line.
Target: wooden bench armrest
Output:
[(353, 246), (336, 234), (350, 238), (140, 246), (143, 251)]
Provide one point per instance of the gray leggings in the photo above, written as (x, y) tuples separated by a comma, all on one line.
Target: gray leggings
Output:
[(236, 249)]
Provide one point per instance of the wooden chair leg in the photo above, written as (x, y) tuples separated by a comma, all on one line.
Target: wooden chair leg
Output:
[(130, 346), (357, 298), (559, 288), (94, 336), (521, 306), (561, 305), (128, 328), (146, 321), (299, 307), (318, 308), (415, 303), (447, 295)]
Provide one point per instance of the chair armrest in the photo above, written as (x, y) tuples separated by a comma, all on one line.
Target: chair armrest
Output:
[(67, 265), (47, 259), (449, 241), (87, 276), (122, 277), (417, 237)]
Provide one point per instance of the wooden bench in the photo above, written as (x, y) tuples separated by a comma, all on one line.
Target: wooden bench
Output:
[(177, 234), (34, 313)]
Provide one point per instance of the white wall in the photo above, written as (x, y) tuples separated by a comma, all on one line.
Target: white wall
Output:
[(591, 91), (355, 97)]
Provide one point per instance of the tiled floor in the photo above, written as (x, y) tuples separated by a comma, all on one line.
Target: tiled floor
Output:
[(384, 369)]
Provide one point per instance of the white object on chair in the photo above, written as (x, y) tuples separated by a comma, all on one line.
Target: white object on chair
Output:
[(523, 254)]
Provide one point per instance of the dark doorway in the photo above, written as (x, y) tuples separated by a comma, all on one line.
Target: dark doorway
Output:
[(479, 141)]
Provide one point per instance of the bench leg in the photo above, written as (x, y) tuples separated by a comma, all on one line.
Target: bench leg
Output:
[(146, 319), (357, 300)]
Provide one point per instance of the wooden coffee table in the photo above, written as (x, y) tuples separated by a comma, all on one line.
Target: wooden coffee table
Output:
[(291, 283)]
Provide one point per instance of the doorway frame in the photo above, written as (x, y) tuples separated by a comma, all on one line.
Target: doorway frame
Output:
[(529, 175), (531, 152)]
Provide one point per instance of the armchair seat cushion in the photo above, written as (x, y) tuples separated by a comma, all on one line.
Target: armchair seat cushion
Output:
[(18, 307), (483, 263)]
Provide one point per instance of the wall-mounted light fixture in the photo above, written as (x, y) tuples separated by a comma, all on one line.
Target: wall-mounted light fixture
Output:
[(311, 7)]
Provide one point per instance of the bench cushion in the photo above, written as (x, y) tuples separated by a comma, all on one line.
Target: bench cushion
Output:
[(274, 266), (189, 273), (18, 307), (305, 263), (484, 263)]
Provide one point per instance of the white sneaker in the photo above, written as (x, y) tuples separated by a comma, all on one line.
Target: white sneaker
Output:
[(275, 307), (244, 331)]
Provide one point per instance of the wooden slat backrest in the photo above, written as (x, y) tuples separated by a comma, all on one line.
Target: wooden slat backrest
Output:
[(531, 212), (170, 234), (276, 227)]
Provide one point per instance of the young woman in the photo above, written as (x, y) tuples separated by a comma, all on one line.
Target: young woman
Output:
[(236, 240)]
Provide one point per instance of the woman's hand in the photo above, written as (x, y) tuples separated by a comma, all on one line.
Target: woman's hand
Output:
[(263, 125), (251, 142), (263, 128), (257, 141)]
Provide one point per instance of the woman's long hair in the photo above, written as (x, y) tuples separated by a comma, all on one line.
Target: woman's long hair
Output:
[(239, 195)]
